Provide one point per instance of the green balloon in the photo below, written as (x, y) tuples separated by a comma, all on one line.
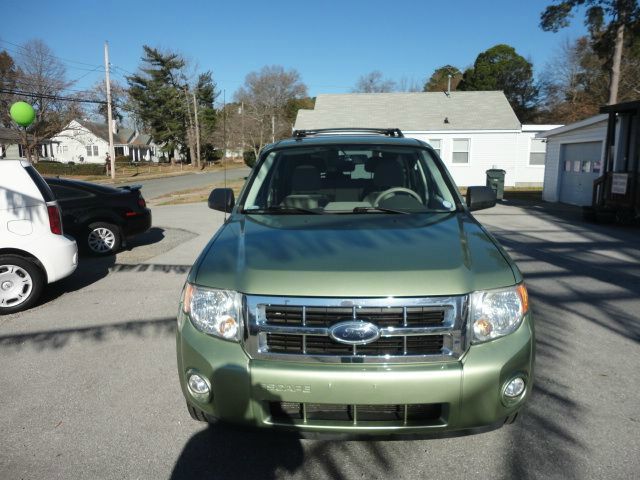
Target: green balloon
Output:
[(22, 113)]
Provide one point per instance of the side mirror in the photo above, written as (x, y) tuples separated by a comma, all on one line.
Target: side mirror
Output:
[(221, 199), (479, 198)]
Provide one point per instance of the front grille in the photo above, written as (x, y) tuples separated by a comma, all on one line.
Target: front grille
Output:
[(327, 316), (293, 344), (410, 329), (309, 413)]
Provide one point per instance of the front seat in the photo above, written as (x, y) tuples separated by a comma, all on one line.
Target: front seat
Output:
[(387, 174), (305, 187)]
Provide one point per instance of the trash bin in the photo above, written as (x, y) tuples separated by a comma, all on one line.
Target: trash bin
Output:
[(495, 180)]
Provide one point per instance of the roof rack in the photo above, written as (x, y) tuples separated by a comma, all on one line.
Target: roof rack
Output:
[(389, 132)]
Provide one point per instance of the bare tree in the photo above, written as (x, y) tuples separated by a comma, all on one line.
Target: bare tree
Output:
[(374, 82), (406, 84), (263, 101), (44, 75), (119, 98)]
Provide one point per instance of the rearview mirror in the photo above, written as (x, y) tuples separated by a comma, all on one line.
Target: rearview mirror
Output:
[(479, 198), (221, 199)]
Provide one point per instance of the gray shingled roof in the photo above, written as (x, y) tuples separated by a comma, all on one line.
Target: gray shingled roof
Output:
[(123, 137), (424, 111)]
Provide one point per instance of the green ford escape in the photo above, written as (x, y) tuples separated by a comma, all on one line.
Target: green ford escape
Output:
[(351, 291)]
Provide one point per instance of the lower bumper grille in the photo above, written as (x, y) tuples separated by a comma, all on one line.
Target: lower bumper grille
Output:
[(319, 413)]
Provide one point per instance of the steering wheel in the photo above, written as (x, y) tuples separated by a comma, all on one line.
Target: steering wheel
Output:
[(394, 191)]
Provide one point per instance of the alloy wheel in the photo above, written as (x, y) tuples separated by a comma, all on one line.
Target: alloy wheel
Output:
[(101, 240)]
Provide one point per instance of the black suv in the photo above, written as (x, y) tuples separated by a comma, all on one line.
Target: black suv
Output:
[(100, 217)]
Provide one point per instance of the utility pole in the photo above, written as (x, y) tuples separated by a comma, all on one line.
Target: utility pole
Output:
[(190, 133), (112, 154), (195, 116), (273, 128)]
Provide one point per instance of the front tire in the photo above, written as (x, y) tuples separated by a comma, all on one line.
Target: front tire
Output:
[(21, 283), (103, 238)]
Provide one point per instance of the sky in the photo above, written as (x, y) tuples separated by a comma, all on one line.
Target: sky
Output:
[(330, 43)]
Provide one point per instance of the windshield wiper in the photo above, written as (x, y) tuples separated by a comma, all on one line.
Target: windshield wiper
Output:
[(378, 209), (280, 209)]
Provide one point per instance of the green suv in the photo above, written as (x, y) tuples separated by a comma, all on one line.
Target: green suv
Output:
[(351, 291)]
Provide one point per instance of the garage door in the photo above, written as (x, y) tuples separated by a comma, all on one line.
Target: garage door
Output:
[(581, 166)]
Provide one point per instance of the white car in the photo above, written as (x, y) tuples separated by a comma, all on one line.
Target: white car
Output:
[(33, 250)]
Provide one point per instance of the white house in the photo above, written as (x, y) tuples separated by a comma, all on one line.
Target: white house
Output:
[(574, 160), (88, 142), (472, 131)]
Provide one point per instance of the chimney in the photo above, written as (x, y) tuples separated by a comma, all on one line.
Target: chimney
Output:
[(448, 85), (114, 126)]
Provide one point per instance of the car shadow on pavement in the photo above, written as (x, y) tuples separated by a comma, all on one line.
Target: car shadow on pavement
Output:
[(151, 236), (223, 451), (89, 271)]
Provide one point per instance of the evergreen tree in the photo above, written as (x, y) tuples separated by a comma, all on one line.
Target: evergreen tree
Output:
[(439, 80), (501, 68), (158, 98), (609, 23)]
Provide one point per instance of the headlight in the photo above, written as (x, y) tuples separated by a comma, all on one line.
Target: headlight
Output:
[(214, 312), (496, 313)]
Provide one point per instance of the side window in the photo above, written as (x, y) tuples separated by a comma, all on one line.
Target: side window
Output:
[(436, 144), (66, 193), (44, 189), (538, 149), (460, 150), (95, 150)]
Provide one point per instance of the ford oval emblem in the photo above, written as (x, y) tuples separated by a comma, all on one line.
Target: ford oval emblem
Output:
[(354, 332)]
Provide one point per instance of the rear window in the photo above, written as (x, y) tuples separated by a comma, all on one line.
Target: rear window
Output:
[(44, 189)]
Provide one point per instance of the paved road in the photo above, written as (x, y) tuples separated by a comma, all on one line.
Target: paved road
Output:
[(162, 186), (88, 387)]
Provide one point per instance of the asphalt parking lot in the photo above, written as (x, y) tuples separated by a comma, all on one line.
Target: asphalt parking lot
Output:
[(88, 387)]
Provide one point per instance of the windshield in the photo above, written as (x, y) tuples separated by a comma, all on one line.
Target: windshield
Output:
[(348, 179)]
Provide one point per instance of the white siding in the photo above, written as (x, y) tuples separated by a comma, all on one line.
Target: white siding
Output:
[(76, 138), (592, 133), (505, 150)]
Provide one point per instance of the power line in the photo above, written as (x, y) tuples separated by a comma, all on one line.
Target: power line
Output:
[(21, 47), (49, 97)]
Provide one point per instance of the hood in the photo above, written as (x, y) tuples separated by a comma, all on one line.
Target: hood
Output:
[(367, 255)]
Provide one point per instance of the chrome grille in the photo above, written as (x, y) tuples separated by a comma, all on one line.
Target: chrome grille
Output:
[(411, 329)]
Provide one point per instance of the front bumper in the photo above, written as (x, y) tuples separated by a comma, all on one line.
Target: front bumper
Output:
[(468, 392)]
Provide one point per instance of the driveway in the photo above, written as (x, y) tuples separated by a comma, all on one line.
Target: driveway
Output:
[(88, 386)]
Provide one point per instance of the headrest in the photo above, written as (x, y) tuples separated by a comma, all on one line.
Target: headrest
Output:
[(388, 173), (370, 164), (305, 178)]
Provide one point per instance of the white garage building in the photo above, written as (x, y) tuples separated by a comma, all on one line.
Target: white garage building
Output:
[(574, 160), (472, 131)]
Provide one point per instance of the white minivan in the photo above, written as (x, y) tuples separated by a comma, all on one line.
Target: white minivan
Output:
[(33, 250)]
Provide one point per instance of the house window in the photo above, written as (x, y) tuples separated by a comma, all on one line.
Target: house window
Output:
[(89, 150), (95, 150), (538, 149), (460, 150), (436, 144)]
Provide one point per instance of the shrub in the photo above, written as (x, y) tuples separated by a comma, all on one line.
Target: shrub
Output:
[(123, 159), (56, 168), (249, 158)]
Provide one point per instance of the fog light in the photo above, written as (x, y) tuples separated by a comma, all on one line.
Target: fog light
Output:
[(198, 386), (514, 388)]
